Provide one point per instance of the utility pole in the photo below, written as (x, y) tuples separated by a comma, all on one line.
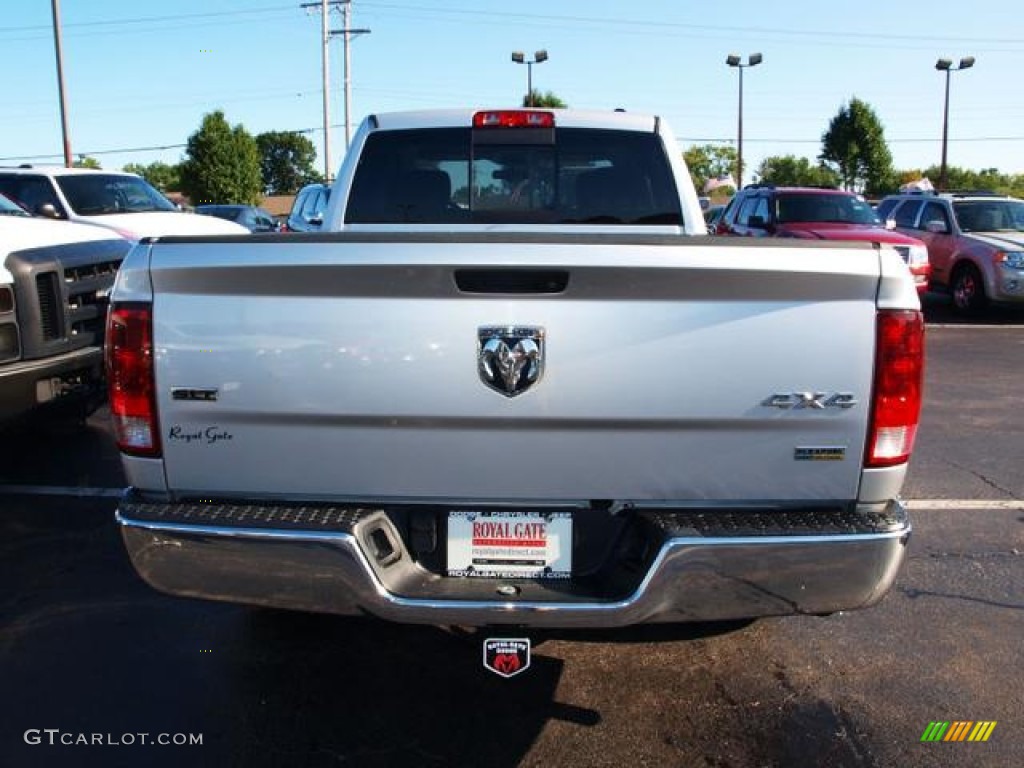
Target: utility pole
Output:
[(68, 160), (325, 37), (326, 33), (326, 73), (348, 33)]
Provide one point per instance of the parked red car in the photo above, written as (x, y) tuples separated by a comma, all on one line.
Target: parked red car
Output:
[(763, 210)]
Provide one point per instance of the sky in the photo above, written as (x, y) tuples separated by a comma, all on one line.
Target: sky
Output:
[(140, 75)]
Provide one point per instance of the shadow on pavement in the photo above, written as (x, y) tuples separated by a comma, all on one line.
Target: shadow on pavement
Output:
[(938, 309), (63, 453), (87, 648)]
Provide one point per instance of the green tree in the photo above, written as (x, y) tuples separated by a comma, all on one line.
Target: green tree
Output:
[(222, 164), (854, 146), (1015, 186), (792, 171), (84, 161), (905, 176), (988, 179), (165, 177), (286, 162), (707, 161), (547, 99)]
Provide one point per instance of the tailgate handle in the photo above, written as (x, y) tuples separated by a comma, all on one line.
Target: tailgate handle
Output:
[(532, 281)]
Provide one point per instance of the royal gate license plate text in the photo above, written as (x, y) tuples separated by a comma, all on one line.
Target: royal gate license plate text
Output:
[(510, 544)]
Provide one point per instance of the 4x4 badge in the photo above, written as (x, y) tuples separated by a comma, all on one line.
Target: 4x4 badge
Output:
[(813, 400), (510, 359)]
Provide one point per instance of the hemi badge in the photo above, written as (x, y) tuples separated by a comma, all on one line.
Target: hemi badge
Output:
[(820, 453), (201, 394)]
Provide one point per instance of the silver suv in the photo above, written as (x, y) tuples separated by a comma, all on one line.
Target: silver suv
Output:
[(975, 243)]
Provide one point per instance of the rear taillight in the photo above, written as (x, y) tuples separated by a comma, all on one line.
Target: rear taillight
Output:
[(899, 381), (129, 359)]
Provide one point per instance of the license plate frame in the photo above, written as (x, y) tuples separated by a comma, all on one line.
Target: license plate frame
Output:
[(502, 544)]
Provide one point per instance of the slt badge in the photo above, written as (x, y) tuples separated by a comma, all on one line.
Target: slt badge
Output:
[(510, 359)]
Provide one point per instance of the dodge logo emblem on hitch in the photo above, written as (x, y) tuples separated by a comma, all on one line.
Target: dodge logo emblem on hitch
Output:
[(507, 656)]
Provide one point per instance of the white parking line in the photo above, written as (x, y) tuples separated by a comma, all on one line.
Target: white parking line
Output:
[(971, 326), (965, 504), (912, 504)]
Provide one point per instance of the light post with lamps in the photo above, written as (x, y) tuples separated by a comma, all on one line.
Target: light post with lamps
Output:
[(734, 61), (946, 65), (538, 57)]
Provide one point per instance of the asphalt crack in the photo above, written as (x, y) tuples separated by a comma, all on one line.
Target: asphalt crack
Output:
[(914, 594), (986, 480), (1003, 555)]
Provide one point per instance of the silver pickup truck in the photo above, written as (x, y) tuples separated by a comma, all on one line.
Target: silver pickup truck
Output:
[(516, 384)]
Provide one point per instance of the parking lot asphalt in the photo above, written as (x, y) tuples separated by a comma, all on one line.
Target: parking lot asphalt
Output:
[(87, 649)]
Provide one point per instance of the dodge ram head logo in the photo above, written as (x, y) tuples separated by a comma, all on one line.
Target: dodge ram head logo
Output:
[(510, 359), (507, 656)]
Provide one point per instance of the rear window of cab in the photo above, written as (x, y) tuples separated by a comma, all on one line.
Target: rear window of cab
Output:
[(518, 176)]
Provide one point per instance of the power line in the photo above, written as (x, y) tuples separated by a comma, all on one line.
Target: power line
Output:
[(151, 19), (679, 139), (570, 20), (135, 150), (702, 28), (126, 151), (149, 25)]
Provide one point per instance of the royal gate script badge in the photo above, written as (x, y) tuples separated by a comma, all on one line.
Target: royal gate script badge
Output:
[(510, 359), (507, 656)]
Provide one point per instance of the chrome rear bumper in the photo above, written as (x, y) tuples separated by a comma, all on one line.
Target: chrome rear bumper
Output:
[(692, 577)]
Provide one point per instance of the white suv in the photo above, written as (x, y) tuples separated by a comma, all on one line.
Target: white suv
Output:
[(123, 202)]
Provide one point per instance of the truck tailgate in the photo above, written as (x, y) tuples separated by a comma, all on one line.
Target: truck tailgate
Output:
[(346, 367)]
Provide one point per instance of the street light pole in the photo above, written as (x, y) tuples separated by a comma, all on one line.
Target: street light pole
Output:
[(519, 58), (946, 65), (734, 61)]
